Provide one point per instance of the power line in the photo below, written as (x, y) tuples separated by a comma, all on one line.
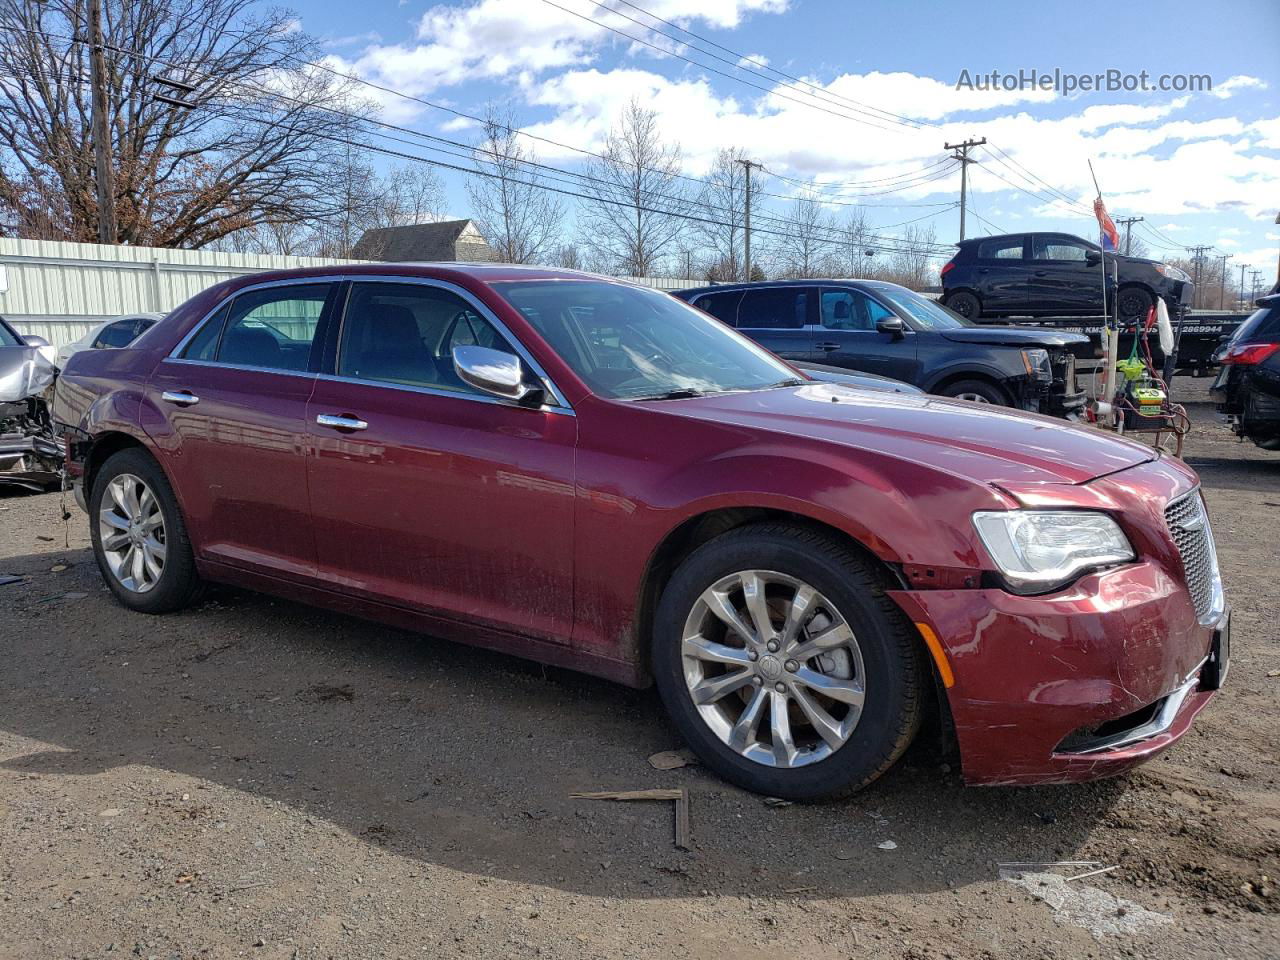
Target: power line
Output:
[(740, 58)]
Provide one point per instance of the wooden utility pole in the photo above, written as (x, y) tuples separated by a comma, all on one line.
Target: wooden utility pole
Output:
[(962, 154), (1222, 282), (746, 233), (101, 127), (1198, 258), (1128, 223), (1242, 300)]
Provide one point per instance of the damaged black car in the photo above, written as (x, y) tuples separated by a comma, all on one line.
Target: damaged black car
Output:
[(30, 456)]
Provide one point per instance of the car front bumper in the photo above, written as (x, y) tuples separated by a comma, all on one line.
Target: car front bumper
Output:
[(1043, 684)]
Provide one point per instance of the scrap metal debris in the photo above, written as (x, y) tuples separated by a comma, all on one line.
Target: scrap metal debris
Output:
[(680, 796)]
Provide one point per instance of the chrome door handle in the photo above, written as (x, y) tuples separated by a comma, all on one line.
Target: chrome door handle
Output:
[(183, 398), (341, 423)]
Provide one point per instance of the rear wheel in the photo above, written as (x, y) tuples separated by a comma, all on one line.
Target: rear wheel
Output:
[(964, 303), (784, 665), (975, 391), (139, 538)]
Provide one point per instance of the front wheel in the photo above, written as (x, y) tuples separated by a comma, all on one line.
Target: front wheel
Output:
[(964, 303), (1133, 304), (784, 665), (975, 391), (139, 538)]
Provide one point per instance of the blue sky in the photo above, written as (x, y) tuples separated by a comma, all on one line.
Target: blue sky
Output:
[(1202, 167)]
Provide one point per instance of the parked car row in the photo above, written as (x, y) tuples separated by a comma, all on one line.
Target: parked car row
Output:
[(1054, 275), (884, 329), (596, 475)]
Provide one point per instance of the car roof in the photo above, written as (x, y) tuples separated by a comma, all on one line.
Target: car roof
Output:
[(808, 282), (450, 270)]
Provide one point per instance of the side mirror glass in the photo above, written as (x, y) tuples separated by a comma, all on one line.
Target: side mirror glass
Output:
[(1092, 258), (496, 372), (892, 326)]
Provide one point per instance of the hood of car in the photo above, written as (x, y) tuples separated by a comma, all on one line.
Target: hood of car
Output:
[(1014, 336), (984, 443)]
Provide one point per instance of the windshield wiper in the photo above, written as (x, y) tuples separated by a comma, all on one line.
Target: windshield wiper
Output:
[(791, 382), (682, 394)]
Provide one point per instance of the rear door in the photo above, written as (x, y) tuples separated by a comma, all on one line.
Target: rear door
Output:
[(1061, 279), (233, 397), (1003, 274), (780, 319), (849, 337), (428, 493)]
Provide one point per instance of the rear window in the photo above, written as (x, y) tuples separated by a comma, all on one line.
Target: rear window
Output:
[(1006, 249), (774, 308), (722, 306), (1262, 326)]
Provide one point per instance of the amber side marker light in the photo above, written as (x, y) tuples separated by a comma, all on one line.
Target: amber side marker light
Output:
[(939, 655)]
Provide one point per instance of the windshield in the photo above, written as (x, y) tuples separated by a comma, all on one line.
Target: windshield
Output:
[(631, 343), (7, 337), (925, 314)]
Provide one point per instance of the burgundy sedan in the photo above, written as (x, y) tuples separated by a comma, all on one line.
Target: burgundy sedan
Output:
[(596, 475)]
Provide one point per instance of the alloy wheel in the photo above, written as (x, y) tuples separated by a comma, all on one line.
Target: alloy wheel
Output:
[(131, 530), (773, 668), (971, 397)]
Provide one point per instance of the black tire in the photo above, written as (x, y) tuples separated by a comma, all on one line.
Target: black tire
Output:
[(1134, 303), (964, 303), (978, 391), (178, 585), (889, 644)]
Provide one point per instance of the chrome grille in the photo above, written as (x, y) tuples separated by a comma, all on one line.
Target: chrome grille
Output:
[(1188, 524)]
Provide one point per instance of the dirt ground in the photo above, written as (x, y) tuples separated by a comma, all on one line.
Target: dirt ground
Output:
[(255, 778)]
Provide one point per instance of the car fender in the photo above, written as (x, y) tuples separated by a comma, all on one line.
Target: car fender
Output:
[(968, 367)]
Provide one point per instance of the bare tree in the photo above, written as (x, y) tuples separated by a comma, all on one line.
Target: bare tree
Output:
[(412, 194), (630, 220), (517, 216), (912, 262), (260, 145), (855, 233), (567, 256), (723, 200), (806, 248)]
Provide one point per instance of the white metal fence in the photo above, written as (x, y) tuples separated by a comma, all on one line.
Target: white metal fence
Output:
[(59, 290)]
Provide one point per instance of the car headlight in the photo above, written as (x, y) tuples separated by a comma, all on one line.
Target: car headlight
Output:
[(1172, 272), (1037, 364), (1040, 550)]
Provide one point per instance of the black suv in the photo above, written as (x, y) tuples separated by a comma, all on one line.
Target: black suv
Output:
[(1248, 386), (888, 330), (1054, 274)]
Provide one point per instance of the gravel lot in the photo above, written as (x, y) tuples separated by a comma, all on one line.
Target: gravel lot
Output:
[(255, 778)]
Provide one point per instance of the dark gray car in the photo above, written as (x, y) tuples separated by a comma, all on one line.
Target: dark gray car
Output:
[(30, 457)]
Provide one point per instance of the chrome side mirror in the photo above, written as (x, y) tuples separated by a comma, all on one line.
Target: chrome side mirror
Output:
[(496, 372)]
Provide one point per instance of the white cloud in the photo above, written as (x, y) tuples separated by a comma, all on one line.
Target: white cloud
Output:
[(754, 61), (1232, 85)]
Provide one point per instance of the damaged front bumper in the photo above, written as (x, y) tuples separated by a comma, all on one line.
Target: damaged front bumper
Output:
[(1084, 684)]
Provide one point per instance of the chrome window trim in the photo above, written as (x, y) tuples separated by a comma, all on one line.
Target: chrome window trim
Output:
[(561, 406)]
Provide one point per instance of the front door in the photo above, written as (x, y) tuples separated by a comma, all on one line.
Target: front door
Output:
[(849, 337), (1062, 279), (779, 319), (234, 432), (427, 493)]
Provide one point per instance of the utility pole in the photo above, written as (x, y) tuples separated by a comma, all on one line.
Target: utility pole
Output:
[(747, 165), (1127, 223), (1256, 275), (962, 154), (101, 127), (1242, 301), (1197, 257), (1222, 282)]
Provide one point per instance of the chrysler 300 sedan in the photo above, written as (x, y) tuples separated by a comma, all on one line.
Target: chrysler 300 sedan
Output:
[(597, 475)]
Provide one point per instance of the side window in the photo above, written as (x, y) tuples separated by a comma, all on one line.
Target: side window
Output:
[(851, 310), (1008, 248), (118, 334), (1051, 248), (405, 333), (722, 306), (271, 328), (774, 308)]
